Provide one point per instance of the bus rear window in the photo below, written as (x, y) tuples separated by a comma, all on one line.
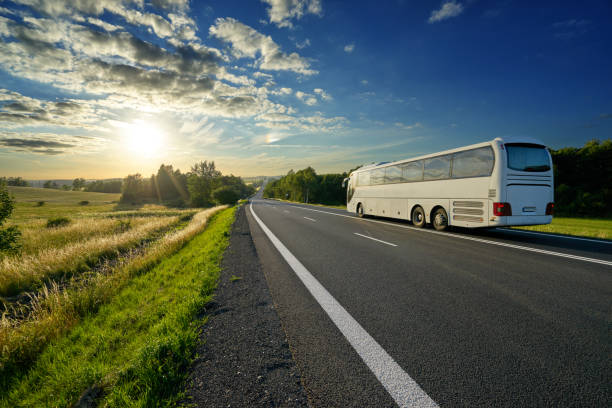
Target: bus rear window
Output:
[(527, 158)]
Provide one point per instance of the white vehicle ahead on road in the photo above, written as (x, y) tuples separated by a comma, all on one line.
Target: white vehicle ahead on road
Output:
[(497, 183)]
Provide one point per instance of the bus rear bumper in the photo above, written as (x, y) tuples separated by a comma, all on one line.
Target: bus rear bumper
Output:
[(520, 220)]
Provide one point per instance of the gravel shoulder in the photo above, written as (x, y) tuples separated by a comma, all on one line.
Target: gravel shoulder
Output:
[(243, 358)]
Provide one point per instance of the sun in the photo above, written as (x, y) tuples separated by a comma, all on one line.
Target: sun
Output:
[(143, 139)]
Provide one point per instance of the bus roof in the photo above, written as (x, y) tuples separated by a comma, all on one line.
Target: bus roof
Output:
[(504, 140)]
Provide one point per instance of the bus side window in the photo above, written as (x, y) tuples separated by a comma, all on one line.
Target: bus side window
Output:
[(412, 171), (377, 176), (393, 174), (437, 168), (364, 179), (473, 163)]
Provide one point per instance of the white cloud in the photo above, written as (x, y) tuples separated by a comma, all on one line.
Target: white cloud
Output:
[(103, 24), (248, 42), (282, 91), (282, 11), (322, 94), (308, 99), (349, 48), (448, 10)]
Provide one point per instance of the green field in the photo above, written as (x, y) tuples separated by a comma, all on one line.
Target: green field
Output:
[(58, 202), (135, 349), (580, 227), (66, 276)]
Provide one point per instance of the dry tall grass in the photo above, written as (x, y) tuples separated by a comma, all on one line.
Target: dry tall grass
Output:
[(54, 311), (36, 237), (24, 272)]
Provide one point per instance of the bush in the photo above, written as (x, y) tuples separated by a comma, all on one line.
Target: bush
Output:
[(40, 203), (9, 237), (84, 202), (226, 195), (58, 222)]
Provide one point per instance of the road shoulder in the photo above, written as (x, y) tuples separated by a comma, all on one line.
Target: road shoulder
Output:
[(243, 358)]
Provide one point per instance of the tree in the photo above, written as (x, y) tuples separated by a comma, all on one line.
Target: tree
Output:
[(14, 181), (9, 237), (50, 184), (201, 181), (226, 195), (133, 189), (78, 184), (171, 184)]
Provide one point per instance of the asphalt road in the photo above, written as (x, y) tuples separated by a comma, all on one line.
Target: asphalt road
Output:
[(474, 318)]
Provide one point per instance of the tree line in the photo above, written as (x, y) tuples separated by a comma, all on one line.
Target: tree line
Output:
[(583, 179), (308, 186), (203, 186)]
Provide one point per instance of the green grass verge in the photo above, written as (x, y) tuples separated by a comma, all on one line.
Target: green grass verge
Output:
[(135, 350), (580, 227)]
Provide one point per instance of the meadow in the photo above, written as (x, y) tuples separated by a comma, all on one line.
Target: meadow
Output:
[(80, 251), (580, 227)]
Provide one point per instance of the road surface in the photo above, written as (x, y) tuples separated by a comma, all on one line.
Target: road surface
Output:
[(379, 313)]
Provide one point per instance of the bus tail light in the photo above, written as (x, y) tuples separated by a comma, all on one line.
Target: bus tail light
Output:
[(550, 209), (502, 209)]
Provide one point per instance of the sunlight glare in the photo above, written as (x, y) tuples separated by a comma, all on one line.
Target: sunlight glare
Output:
[(143, 139)]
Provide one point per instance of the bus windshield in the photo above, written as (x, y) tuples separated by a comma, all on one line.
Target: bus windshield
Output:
[(528, 158)]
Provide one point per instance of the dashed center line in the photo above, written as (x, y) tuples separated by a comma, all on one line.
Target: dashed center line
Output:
[(374, 239), (310, 219), (469, 238)]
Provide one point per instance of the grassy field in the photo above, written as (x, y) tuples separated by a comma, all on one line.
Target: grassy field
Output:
[(58, 202), (64, 274), (580, 227), (134, 350)]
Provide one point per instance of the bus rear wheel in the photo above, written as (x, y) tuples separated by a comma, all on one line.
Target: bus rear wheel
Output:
[(418, 217), (440, 220), (360, 211)]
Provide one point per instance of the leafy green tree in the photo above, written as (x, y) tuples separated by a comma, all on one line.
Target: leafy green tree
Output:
[(201, 181), (133, 189), (78, 184), (50, 184), (101, 186), (14, 181), (226, 195), (582, 179), (171, 184), (9, 237)]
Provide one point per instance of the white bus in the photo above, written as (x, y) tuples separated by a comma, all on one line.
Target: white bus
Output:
[(491, 184)]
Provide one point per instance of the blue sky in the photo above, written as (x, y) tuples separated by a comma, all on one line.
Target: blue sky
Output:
[(106, 88)]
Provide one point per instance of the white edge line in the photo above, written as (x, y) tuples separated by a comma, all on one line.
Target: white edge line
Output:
[(310, 219), (374, 239), (485, 241), (402, 388), (520, 231)]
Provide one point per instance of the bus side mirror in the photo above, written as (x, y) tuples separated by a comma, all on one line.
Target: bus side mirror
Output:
[(344, 182)]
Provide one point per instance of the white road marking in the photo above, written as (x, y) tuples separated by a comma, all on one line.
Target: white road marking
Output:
[(599, 241), (468, 238), (286, 211), (404, 390), (374, 239), (310, 219)]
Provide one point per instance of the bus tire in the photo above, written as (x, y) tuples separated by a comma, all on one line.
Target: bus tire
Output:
[(418, 217), (439, 219), (360, 213)]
